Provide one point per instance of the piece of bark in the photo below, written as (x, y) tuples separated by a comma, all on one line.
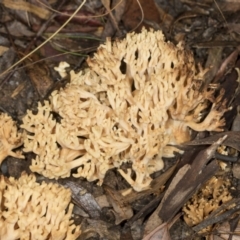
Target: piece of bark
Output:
[(181, 189), (122, 211), (227, 65), (186, 181), (83, 199), (233, 140)]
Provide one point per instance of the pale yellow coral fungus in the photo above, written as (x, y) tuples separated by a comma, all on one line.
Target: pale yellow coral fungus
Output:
[(10, 138), (30, 210), (208, 199), (138, 95)]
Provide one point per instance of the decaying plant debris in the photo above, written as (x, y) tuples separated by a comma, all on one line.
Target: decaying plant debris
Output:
[(102, 131)]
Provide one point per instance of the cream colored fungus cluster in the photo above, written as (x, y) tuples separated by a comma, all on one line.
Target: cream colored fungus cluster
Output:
[(137, 96), (209, 198), (29, 210), (10, 138)]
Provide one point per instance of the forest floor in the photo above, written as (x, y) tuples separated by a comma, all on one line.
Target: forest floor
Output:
[(211, 30)]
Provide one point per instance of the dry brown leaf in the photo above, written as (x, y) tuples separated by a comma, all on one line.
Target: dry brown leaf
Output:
[(17, 29), (3, 49), (160, 233), (25, 6), (133, 14), (41, 78), (106, 4), (121, 211)]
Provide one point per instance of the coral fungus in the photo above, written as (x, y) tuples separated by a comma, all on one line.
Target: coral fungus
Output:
[(137, 96)]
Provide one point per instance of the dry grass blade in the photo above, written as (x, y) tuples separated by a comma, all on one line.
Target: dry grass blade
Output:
[(141, 9), (47, 40), (94, 16)]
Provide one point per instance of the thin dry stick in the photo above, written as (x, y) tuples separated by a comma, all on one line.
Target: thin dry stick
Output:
[(66, 14), (224, 19), (140, 6), (220, 11), (25, 57), (42, 28), (106, 4)]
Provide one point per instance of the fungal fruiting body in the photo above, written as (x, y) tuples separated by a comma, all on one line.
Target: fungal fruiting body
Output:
[(137, 96), (30, 210), (10, 138)]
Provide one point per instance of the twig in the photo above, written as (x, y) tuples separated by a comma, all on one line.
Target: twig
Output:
[(43, 28), (25, 57), (141, 18)]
